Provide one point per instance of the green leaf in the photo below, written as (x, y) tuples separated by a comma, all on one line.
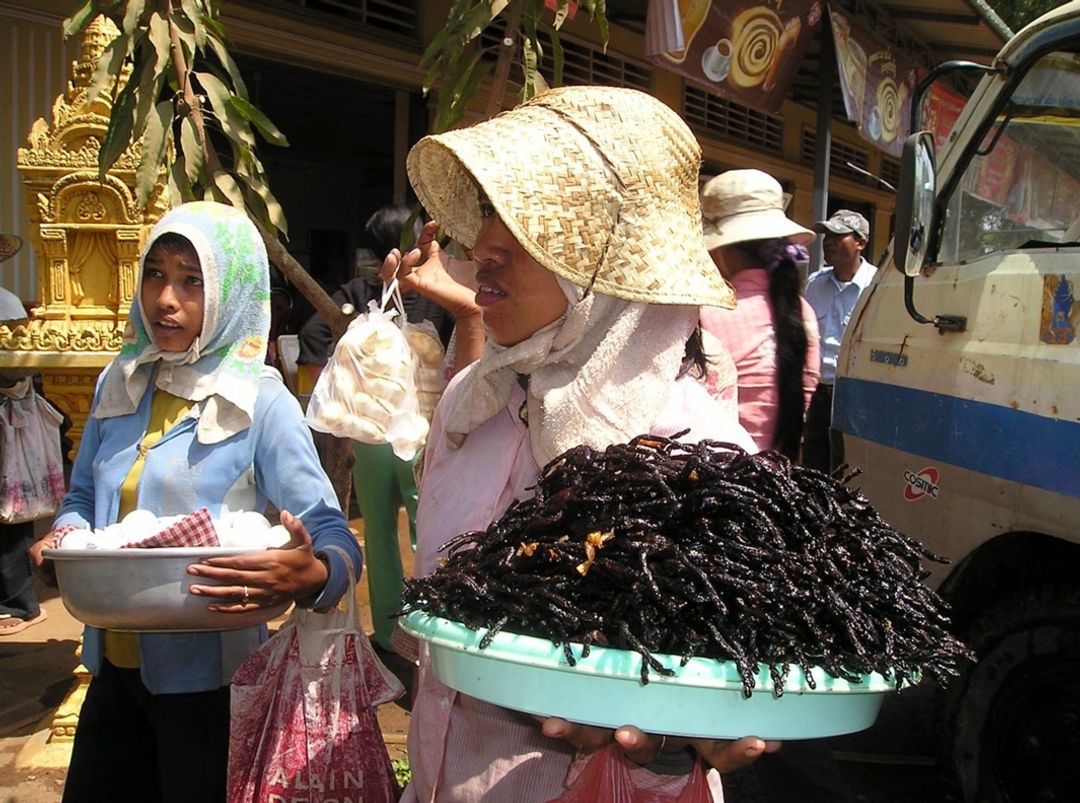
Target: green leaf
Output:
[(108, 67), (132, 14), (155, 142), (229, 189), (217, 44), (193, 149), (159, 40), (118, 134), (194, 13), (275, 213), (80, 19), (149, 86), (261, 122), (230, 121), (560, 14), (466, 93), (558, 59), (180, 189)]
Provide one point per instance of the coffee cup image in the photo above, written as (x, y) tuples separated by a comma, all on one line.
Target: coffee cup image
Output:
[(716, 60)]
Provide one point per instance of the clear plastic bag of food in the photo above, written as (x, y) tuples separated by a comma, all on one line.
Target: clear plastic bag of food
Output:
[(430, 356), (368, 389)]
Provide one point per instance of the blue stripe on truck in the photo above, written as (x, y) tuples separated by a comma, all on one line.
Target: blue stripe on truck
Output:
[(999, 441)]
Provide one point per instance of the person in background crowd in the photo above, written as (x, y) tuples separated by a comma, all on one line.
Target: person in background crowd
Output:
[(581, 213), (187, 417), (772, 333), (382, 482), (833, 292), (19, 604)]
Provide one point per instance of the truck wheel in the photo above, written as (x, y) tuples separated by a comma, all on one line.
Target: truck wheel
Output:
[(1015, 715)]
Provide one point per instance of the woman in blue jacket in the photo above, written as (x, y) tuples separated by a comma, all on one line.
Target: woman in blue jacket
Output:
[(187, 417)]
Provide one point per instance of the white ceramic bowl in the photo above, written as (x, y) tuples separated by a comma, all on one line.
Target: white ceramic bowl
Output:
[(145, 590)]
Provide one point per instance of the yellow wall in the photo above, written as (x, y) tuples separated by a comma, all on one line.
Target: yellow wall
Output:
[(35, 64)]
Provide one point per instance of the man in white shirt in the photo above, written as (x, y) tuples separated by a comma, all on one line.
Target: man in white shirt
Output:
[(833, 292)]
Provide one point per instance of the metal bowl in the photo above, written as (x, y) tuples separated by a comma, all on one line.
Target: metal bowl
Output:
[(145, 590)]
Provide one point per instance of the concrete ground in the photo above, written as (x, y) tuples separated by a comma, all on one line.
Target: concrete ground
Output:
[(36, 669)]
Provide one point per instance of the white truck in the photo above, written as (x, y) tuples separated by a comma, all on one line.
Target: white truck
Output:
[(958, 394)]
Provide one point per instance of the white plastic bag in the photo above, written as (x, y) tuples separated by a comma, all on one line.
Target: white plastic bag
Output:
[(303, 723), (32, 486), (367, 391)]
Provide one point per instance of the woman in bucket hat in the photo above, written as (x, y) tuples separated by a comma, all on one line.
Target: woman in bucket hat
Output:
[(580, 210), (772, 333)]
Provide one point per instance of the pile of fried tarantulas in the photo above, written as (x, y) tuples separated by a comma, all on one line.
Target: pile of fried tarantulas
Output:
[(700, 550)]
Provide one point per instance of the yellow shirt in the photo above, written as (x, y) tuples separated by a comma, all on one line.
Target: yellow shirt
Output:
[(122, 649)]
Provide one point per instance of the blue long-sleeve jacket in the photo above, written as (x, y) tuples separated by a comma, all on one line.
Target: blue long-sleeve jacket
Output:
[(273, 460)]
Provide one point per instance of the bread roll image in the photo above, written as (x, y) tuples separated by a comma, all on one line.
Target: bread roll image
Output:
[(755, 35), (788, 37)]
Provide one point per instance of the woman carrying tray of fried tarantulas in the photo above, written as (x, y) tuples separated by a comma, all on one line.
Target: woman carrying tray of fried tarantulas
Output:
[(187, 417), (580, 208)]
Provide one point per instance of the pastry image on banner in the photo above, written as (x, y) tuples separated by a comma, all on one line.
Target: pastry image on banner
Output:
[(851, 59), (744, 50), (890, 99), (755, 34), (693, 14)]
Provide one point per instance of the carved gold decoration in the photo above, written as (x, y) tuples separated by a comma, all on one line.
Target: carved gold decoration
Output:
[(87, 233)]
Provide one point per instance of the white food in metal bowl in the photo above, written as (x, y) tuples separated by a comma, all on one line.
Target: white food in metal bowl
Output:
[(145, 590)]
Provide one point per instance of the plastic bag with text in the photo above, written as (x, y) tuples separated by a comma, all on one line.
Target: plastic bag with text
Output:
[(32, 483), (607, 776), (303, 721), (367, 391)]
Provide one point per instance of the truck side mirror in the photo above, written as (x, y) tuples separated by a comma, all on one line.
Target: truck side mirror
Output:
[(915, 203)]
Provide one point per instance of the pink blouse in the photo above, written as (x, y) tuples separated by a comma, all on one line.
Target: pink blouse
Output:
[(747, 333), (460, 748)]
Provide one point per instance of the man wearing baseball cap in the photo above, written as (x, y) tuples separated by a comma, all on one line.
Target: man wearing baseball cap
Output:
[(833, 292)]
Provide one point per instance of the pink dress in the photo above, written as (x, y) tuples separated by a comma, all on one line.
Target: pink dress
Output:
[(460, 748), (747, 333)]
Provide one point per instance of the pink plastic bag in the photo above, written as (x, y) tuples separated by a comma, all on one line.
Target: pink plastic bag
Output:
[(303, 715), (606, 777)]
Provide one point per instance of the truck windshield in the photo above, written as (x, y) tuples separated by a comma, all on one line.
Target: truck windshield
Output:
[(1021, 187)]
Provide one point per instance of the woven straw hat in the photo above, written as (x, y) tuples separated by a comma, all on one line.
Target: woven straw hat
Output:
[(9, 246), (742, 205), (598, 185)]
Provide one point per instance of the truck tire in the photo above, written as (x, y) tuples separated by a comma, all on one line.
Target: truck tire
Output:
[(1014, 717)]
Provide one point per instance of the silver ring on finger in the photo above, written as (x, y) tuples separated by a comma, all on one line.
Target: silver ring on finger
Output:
[(247, 598)]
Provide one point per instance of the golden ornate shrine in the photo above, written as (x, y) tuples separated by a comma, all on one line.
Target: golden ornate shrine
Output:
[(87, 234)]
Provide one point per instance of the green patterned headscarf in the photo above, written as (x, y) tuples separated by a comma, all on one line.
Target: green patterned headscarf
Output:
[(222, 366)]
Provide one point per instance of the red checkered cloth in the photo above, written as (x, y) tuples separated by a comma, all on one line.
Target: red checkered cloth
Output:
[(56, 537), (194, 530)]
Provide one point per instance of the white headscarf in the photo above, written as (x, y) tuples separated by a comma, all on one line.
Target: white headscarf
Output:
[(597, 376), (222, 366)]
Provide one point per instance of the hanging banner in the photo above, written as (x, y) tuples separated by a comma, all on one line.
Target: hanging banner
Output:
[(941, 108), (745, 50), (877, 81)]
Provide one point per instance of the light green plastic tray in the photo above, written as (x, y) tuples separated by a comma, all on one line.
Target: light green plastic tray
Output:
[(704, 698)]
